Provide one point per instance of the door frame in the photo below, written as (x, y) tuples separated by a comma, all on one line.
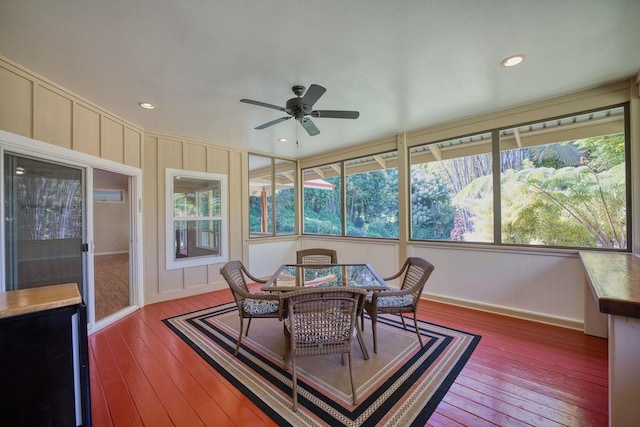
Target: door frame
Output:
[(21, 145)]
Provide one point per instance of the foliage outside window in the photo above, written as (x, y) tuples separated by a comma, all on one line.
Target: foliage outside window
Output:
[(322, 200), (563, 183), (272, 196), (370, 195), (371, 192), (196, 223), (444, 203)]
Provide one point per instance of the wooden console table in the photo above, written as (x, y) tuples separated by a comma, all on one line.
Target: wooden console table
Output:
[(614, 288), (44, 357)]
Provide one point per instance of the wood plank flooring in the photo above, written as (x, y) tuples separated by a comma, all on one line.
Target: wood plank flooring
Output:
[(522, 373)]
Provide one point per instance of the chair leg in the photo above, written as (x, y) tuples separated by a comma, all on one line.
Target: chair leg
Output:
[(374, 329), (239, 338), (363, 347), (353, 387), (415, 323), (287, 347), (246, 334), (404, 325), (295, 385)]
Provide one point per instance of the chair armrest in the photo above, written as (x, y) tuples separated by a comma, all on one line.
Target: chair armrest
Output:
[(253, 278)]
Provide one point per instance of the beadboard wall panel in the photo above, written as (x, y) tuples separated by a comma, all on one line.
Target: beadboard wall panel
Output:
[(52, 116), (541, 286), (16, 102), (35, 107), (86, 130), (163, 152), (112, 146), (132, 148)]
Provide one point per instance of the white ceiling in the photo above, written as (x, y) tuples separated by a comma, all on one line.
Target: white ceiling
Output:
[(403, 64)]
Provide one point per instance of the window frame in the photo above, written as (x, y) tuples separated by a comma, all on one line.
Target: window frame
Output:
[(341, 165), (271, 211), (171, 262), (495, 151)]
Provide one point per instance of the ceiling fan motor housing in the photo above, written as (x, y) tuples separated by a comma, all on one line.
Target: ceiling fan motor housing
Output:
[(297, 109)]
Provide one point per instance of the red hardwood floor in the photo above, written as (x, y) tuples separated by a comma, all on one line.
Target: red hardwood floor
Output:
[(522, 373)]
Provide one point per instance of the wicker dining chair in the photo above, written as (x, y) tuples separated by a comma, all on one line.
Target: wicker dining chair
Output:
[(404, 300), (321, 322), (250, 305), (317, 256)]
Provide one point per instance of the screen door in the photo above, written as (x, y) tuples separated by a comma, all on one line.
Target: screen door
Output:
[(43, 223)]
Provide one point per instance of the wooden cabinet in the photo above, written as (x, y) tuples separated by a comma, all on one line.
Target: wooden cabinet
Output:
[(44, 368)]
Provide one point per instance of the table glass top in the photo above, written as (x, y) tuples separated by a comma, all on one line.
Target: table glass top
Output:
[(356, 275)]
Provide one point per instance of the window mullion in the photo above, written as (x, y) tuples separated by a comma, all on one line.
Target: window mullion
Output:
[(497, 195)]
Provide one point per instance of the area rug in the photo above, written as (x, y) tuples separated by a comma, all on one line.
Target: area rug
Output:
[(401, 385)]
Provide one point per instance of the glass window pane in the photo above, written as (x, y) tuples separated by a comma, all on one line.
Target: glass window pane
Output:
[(194, 197), (452, 191), (285, 215), (372, 196), (193, 239), (322, 200), (563, 182), (260, 173)]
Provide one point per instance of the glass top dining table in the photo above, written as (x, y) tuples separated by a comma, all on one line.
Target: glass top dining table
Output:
[(295, 276)]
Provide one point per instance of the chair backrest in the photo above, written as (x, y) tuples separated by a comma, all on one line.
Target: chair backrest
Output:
[(317, 256), (233, 273), (417, 271), (322, 321)]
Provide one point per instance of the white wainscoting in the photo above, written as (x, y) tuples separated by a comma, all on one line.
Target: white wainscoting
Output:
[(546, 287), (540, 286), (266, 256), (383, 256)]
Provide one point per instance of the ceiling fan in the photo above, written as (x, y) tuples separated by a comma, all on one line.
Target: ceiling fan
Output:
[(302, 106)]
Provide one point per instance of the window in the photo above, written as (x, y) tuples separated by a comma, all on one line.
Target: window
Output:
[(370, 198), (196, 223), (371, 194), (102, 195), (272, 196), (322, 199), (451, 191), (563, 183)]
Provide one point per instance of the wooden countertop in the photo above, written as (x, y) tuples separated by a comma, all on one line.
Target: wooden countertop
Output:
[(24, 301), (615, 281)]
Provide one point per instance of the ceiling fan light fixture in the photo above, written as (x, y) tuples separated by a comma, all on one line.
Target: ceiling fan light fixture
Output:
[(146, 105), (513, 60)]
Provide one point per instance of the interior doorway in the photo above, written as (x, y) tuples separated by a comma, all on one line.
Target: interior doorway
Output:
[(111, 243)]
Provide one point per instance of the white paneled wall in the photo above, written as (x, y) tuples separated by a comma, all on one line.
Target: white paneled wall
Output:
[(540, 286), (266, 256), (547, 287), (383, 256)]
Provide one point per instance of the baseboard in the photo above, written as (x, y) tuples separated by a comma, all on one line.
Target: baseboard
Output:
[(183, 293), (111, 253), (505, 311)]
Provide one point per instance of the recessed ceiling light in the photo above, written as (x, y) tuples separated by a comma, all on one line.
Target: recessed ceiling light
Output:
[(282, 139), (147, 105), (512, 60)]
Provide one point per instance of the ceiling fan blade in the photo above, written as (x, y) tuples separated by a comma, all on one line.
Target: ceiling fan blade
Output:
[(335, 114), (273, 122), (262, 104), (309, 126), (313, 94)]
